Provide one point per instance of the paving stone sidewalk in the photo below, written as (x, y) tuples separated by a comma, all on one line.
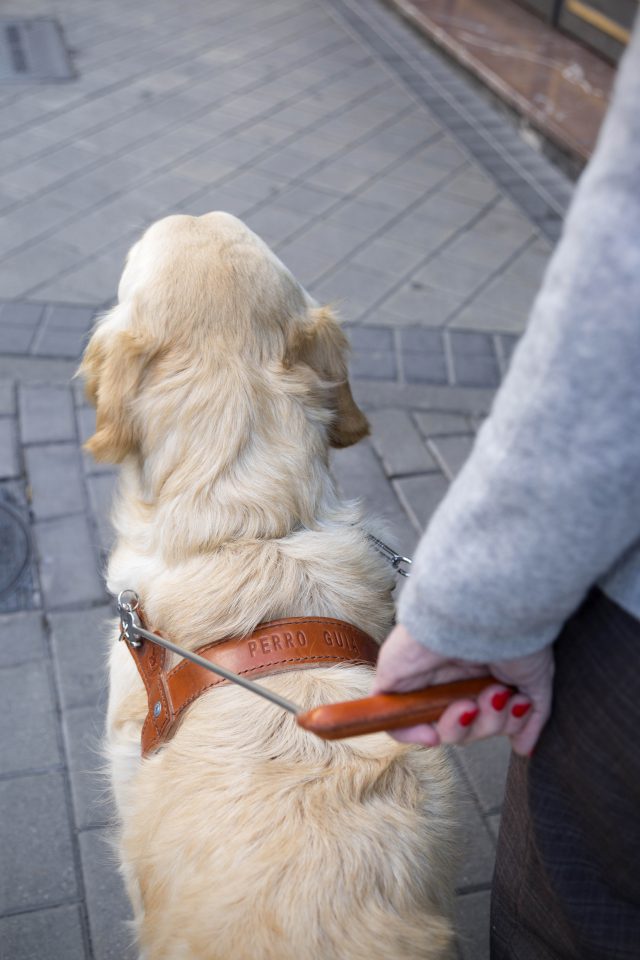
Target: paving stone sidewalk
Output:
[(389, 186)]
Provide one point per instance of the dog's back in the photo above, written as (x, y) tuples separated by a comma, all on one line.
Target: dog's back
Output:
[(249, 838), (220, 386)]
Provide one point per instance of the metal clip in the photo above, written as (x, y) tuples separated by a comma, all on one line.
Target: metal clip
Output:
[(128, 603), (395, 563), (395, 559)]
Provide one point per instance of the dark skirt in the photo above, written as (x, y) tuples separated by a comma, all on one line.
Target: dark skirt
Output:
[(567, 879)]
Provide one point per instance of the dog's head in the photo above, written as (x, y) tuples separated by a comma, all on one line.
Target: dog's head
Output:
[(201, 293)]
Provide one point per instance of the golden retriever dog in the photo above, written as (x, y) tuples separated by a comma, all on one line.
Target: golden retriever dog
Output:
[(220, 386)]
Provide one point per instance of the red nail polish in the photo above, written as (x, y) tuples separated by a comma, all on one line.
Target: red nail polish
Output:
[(520, 709), (466, 719), (499, 700)]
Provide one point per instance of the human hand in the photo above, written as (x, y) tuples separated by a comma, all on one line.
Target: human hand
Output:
[(404, 664)]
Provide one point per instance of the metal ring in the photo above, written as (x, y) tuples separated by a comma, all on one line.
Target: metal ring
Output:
[(396, 564), (131, 604)]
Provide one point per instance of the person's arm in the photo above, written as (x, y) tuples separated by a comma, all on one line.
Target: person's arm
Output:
[(550, 496), (549, 499)]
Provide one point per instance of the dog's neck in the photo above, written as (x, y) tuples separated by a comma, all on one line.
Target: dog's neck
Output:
[(237, 500), (194, 497)]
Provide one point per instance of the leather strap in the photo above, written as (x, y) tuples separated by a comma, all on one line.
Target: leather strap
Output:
[(275, 647)]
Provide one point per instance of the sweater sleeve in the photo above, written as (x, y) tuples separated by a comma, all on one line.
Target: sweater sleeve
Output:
[(549, 498)]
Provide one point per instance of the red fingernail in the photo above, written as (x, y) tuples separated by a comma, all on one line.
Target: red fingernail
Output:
[(520, 709), (467, 718), (499, 700)]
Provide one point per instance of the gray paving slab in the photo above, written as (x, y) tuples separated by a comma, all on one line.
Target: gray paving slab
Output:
[(107, 904), (308, 200), (80, 642), (365, 339), (399, 444), (340, 177), (424, 368), (479, 317), (509, 294), (493, 822), (68, 562), (22, 638), (55, 476), (451, 452), (101, 488), (9, 456), (392, 257), (27, 936), (15, 339), (18, 314), (420, 496), (307, 264), (472, 925), (37, 851), (26, 694), (46, 414), (444, 273), (356, 288), (396, 194), (35, 370), (475, 371), (275, 224), (420, 230), (374, 364), (58, 343), (443, 423), (7, 398), (360, 476), (83, 729), (376, 394), (69, 317), (362, 214), (412, 304), (478, 848), (86, 420), (485, 766), (336, 238)]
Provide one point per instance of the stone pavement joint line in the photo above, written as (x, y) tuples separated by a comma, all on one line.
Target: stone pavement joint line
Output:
[(391, 190)]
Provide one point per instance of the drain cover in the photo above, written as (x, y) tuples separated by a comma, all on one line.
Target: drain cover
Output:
[(14, 548), (16, 576), (32, 51)]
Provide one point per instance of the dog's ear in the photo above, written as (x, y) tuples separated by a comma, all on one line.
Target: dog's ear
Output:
[(323, 346), (112, 369)]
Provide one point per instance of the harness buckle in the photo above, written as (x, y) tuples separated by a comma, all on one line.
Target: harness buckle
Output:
[(128, 603)]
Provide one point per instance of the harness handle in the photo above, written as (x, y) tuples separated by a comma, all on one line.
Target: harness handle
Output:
[(389, 711)]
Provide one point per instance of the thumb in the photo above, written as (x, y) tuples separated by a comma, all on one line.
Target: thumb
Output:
[(403, 663)]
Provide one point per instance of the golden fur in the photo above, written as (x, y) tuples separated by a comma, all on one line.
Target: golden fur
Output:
[(219, 387)]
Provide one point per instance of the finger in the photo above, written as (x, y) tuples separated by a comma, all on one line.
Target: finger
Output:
[(493, 713), (424, 734), (525, 738), (456, 723)]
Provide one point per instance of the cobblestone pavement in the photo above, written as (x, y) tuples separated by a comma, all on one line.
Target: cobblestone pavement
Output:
[(387, 184)]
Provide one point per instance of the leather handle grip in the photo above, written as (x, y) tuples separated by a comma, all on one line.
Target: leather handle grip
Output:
[(388, 711)]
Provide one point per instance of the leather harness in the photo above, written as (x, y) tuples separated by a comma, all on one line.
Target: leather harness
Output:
[(296, 643)]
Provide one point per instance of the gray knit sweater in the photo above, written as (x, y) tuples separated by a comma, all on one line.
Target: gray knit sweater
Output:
[(548, 503)]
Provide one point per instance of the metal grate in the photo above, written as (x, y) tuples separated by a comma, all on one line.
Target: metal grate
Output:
[(18, 589), (33, 51)]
